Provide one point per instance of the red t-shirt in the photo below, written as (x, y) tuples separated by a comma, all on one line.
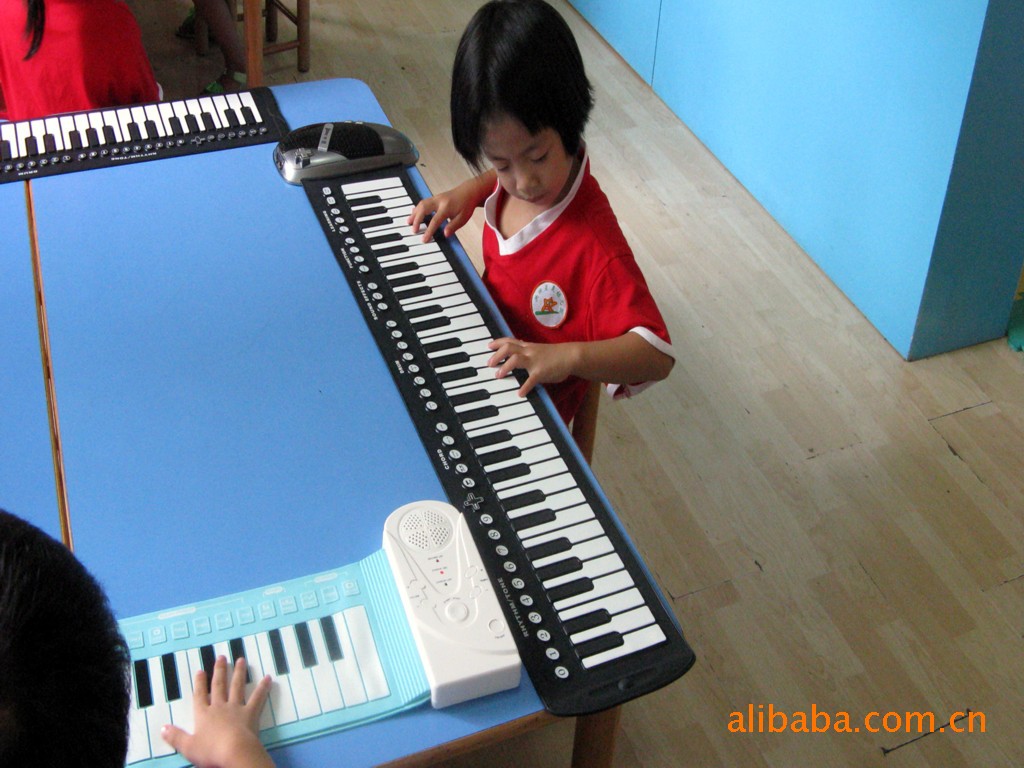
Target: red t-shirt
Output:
[(91, 57), (570, 275)]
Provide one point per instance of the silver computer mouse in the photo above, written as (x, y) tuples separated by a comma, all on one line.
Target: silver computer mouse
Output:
[(337, 149)]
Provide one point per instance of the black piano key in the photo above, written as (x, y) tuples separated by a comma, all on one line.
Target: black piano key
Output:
[(238, 652), (413, 279), (208, 659), (49, 143), (445, 360), (230, 118), (508, 473), (75, 138), (208, 121), (5, 150), (175, 125), (486, 412), (364, 213), (305, 645), (171, 686), (397, 269), (513, 503), (277, 651), (108, 134), (494, 438), (533, 519), (502, 454), (151, 130), (599, 644), (143, 690), (192, 123), (561, 568), (134, 134), (331, 639), (92, 137), (434, 322), (465, 398), (573, 588), (248, 116), (440, 346), (587, 621), (412, 293), (457, 375), (379, 221), (432, 309), (387, 237), (548, 548), (31, 146), (391, 250), (365, 200)]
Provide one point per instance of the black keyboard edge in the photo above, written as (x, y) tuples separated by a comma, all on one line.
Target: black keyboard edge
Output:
[(610, 684), (145, 150)]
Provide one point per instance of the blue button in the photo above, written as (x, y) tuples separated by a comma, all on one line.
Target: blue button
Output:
[(350, 587), (223, 620), (202, 625), (135, 640), (330, 594), (288, 605), (267, 610), (309, 600), (179, 630), (246, 616), (157, 635)]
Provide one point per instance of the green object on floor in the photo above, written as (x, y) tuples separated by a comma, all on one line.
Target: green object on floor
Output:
[(1015, 331)]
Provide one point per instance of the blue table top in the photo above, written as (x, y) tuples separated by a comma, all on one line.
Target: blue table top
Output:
[(226, 418), (27, 486)]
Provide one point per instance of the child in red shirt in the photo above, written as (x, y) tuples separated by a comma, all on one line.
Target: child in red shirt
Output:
[(555, 261), (70, 55)]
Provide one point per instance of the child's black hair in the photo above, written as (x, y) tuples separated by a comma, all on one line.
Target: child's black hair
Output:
[(64, 693), (518, 57), (34, 22)]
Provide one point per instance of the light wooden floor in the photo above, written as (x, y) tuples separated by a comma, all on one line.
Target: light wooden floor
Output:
[(835, 528)]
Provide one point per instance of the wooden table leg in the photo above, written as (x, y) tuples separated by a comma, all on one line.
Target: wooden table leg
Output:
[(253, 15), (594, 743)]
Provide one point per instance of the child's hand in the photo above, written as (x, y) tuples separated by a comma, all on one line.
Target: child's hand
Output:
[(226, 725), (543, 363), (456, 206)]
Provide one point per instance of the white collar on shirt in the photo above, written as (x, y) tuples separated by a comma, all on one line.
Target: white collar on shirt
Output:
[(540, 222)]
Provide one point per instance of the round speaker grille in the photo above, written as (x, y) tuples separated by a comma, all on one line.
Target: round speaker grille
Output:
[(425, 529)]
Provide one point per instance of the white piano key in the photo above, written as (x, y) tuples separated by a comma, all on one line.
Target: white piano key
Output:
[(621, 623), (281, 701), (53, 128), (139, 118), (37, 129), (605, 585), (81, 126), (235, 105), (220, 107), (181, 111), (388, 193), (557, 502), (124, 119), (110, 120), (590, 529), (456, 302), (9, 134), (391, 200), (257, 671), (152, 112), (347, 668), (479, 376), (462, 335), (96, 123), (410, 240), (527, 421), (592, 569), (356, 187), (247, 101), (585, 551), (166, 111), (412, 262), (196, 110), (303, 690), (615, 602), (633, 642), (365, 648), (441, 267), (159, 713), (138, 730), (324, 676), (475, 362), (206, 106), (21, 132), (182, 710), (422, 249)]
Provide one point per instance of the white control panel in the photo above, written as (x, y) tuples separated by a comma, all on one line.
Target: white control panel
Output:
[(465, 645)]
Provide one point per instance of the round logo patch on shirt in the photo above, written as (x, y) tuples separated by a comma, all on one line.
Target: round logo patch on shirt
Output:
[(549, 305)]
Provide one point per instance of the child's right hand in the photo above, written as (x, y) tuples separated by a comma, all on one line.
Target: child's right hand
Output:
[(226, 731), (456, 206)]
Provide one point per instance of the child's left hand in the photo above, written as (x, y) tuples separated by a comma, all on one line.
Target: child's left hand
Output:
[(543, 363)]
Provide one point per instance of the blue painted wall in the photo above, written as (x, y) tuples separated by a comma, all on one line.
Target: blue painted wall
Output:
[(630, 28), (844, 120)]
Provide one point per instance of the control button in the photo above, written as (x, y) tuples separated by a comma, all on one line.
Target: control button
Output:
[(308, 600), (486, 519), (441, 427), (135, 640), (246, 615), (510, 566), (561, 673), (502, 550), (534, 617), (469, 482), (288, 605), (330, 594), (202, 625), (518, 583), (448, 440), (497, 626), (349, 587), (456, 611), (543, 635), (223, 620), (179, 630), (526, 600), (553, 654), (493, 534), (461, 469), (455, 455), (432, 406), (267, 610)]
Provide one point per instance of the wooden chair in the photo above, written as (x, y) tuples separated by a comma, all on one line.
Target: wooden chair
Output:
[(584, 424), (252, 12)]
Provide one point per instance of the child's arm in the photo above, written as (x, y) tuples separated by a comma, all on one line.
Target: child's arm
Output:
[(226, 725), (456, 205), (626, 359)]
